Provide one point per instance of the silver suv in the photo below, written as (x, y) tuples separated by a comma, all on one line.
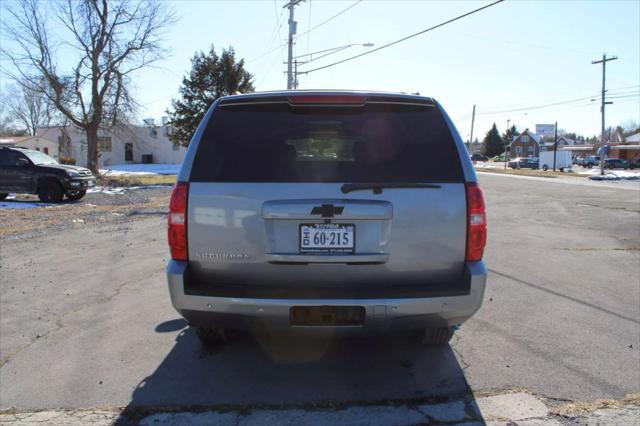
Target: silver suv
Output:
[(314, 210)]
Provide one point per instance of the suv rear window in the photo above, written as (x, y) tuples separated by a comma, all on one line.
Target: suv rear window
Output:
[(373, 143)]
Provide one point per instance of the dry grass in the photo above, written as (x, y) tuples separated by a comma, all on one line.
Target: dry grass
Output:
[(588, 407), (136, 180), (56, 216)]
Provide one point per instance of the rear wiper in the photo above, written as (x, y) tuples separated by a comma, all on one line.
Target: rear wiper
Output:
[(377, 187)]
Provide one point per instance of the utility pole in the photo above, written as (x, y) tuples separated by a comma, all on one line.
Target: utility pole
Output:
[(555, 147), (292, 31), (506, 143), (603, 151), (473, 120)]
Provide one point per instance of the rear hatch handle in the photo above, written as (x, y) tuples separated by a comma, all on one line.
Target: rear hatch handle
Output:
[(377, 187)]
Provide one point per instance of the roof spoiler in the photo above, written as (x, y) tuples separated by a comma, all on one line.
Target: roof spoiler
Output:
[(327, 100)]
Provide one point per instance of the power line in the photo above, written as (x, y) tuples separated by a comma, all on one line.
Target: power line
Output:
[(277, 35), (537, 106), (278, 47), (404, 38), (328, 20), (498, 110), (578, 103)]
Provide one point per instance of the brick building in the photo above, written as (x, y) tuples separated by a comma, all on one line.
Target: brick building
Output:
[(526, 144)]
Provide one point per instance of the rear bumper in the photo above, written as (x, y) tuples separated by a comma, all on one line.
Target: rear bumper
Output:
[(381, 314)]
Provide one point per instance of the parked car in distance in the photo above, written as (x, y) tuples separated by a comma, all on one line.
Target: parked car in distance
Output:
[(634, 164), (479, 157), (577, 160), (378, 227), (524, 163), (590, 161), (34, 172), (616, 163), (500, 158)]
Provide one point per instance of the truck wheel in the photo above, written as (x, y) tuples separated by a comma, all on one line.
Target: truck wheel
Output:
[(3, 196), (435, 336), (545, 167), (211, 337), (75, 194), (50, 192)]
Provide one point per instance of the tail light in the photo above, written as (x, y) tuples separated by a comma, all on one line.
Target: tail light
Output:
[(476, 223), (327, 99), (178, 222)]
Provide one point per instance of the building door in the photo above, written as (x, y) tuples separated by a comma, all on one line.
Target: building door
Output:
[(128, 151)]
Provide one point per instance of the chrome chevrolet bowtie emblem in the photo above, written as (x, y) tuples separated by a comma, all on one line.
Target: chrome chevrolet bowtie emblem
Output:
[(327, 210)]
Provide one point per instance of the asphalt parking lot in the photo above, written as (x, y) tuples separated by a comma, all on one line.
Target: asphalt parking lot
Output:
[(86, 319)]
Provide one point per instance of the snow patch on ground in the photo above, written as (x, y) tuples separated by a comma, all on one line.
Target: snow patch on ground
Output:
[(21, 205), (11, 203), (117, 190), (140, 169), (594, 174)]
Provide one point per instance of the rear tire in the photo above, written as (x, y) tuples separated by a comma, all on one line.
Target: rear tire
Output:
[(50, 192), (3, 196), (545, 167), (211, 337), (435, 336), (75, 194)]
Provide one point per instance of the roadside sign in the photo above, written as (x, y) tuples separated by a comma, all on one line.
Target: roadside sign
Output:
[(545, 129)]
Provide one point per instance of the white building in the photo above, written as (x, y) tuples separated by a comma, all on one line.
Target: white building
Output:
[(129, 144), (38, 143)]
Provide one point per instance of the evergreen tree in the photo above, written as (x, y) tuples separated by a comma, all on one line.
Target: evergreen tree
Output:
[(211, 76), (492, 144)]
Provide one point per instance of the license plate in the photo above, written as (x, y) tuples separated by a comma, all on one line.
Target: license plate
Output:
[(326, 315), (91, 183), (327, 238)]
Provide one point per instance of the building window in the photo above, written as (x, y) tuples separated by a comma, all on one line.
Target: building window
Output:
[(518, 150), (530, 149), (524, 138), (175, 146), (104, 143)]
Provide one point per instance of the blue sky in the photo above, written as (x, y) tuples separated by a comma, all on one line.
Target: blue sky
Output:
[(512, 56)]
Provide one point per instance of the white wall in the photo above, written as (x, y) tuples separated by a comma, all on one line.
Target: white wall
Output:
[(39, 144), (143, 139)]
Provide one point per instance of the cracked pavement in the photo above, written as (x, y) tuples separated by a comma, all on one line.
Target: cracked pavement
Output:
[(86, 321)]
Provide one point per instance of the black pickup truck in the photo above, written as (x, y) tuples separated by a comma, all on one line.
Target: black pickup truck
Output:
[(28, 171)]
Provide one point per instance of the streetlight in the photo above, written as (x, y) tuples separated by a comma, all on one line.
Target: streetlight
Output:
[(326, 52)]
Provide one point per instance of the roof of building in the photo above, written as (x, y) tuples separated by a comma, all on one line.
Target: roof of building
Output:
[(633, 138), (567, 140), (534, 136), (12, 140)]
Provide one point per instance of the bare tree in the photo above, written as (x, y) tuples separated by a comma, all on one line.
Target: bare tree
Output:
[(109, 40), (31, 109)]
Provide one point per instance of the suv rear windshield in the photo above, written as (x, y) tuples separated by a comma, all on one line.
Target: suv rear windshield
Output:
[(373, 143)]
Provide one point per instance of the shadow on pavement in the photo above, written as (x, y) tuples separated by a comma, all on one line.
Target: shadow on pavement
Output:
[(279, 370)]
